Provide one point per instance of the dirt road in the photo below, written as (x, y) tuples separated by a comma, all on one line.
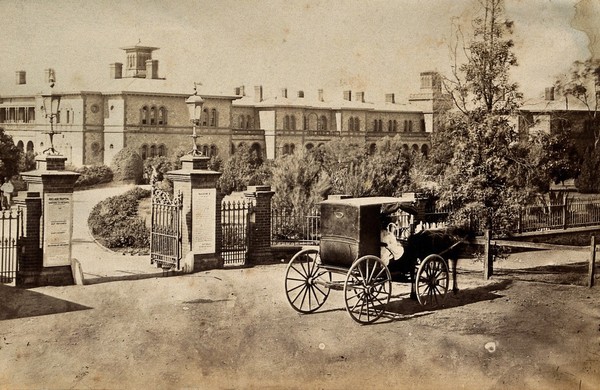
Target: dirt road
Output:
[(234, 329)]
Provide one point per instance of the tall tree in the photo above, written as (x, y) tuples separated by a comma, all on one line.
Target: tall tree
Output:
[(10, 156), (485, 172)]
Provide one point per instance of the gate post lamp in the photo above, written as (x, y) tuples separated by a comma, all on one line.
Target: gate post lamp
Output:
[(195, 103), (51, 105)]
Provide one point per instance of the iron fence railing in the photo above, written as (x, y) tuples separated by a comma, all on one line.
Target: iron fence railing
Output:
[(234, 222), (294, 227), (11, 229)]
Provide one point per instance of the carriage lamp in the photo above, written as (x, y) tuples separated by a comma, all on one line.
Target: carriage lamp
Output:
[(51, 106), (195, 103)]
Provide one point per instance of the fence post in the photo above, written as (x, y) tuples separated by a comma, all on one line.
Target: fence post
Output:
[(259, 247), (592, 264), (488, 259), (564, 212), (520, 219)]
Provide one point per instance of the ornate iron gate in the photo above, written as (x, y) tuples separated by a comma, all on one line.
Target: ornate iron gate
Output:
[(11, 230), (234, 222), (165, 237)]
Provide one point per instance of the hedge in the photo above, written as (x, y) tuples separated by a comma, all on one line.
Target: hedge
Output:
[(115, 222)]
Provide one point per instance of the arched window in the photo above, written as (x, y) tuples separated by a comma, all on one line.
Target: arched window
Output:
[(351, 124), (29, 146), (372, 149), (162, 116), (205, 150), (144, 115), (286, 122), (425, 149), (395, 126), (293, 122), (144, 151), (256, 149), (323, 123), (405, 147), (213, 117), (292, 148), (249, 122), (20, 145), (304, 123), (309, 146), (153, 115), (410, 126), (405, 126), (423, 125), (286, 149), (153, 151), (213, 150), (356, 124), (162, 150), (205, 117), (242, 121), (31, 114), (390, 125), (415, 148), (232, 148)]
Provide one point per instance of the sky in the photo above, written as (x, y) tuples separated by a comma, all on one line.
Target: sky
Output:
[(374, 46)]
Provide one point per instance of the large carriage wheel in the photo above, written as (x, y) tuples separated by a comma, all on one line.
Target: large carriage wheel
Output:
[(306, 285), (432, 281), (367, 289)]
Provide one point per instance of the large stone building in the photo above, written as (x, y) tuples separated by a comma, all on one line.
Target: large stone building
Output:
[(136, 108)]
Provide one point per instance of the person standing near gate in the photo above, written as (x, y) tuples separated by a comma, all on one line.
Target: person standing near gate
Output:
[(7, 193)]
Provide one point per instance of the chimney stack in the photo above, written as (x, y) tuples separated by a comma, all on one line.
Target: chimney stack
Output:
[(301, 94), (258, 94), (320, 93), (20, 77), (242, 90), (360, 97), (116, 70), (151, 69), (390, 98), (49, 76), (236, 91), (550, 93), (348, 95), (284, 93)]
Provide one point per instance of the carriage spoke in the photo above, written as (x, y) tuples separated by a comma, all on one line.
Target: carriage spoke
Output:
[(295, 288)]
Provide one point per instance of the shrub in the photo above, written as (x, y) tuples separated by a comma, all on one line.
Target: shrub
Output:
[(128, 166), (115, 222), (93, 175)]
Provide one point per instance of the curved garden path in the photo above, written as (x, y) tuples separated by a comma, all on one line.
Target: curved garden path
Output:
[(98, 263)]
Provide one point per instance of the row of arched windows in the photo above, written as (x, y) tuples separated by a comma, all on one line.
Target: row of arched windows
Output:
[(210, 117), (392, 126), (153, 116), (149, 151)]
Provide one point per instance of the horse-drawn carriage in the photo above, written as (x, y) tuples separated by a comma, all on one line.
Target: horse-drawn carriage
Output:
[(352, 245)]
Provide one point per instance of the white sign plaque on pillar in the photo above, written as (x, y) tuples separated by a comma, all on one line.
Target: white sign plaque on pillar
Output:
[(204, 219), (58, 229)]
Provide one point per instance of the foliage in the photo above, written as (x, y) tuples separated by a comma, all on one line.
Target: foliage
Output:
[(245, 167), (127, 165), (483, 169), (161, 165), (27, 161), (10, 155), (353, 171), (588, 180), (115, 222), (92, 175), (583, 83), (556, 157), (299, 182)]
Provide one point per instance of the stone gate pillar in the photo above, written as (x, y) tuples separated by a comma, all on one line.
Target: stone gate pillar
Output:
[(259, 251), (46, 260), (202, 233)]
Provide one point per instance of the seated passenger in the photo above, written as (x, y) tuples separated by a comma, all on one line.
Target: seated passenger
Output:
[(391, 249)]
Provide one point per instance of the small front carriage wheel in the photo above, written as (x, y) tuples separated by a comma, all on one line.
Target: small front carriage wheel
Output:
[(306, 285), (432, 281), (367, 289)]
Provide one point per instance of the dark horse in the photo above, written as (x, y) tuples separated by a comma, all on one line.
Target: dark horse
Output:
[(444, 242)]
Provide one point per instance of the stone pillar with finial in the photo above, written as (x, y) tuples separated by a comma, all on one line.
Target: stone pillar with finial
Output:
[(54, 186)]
